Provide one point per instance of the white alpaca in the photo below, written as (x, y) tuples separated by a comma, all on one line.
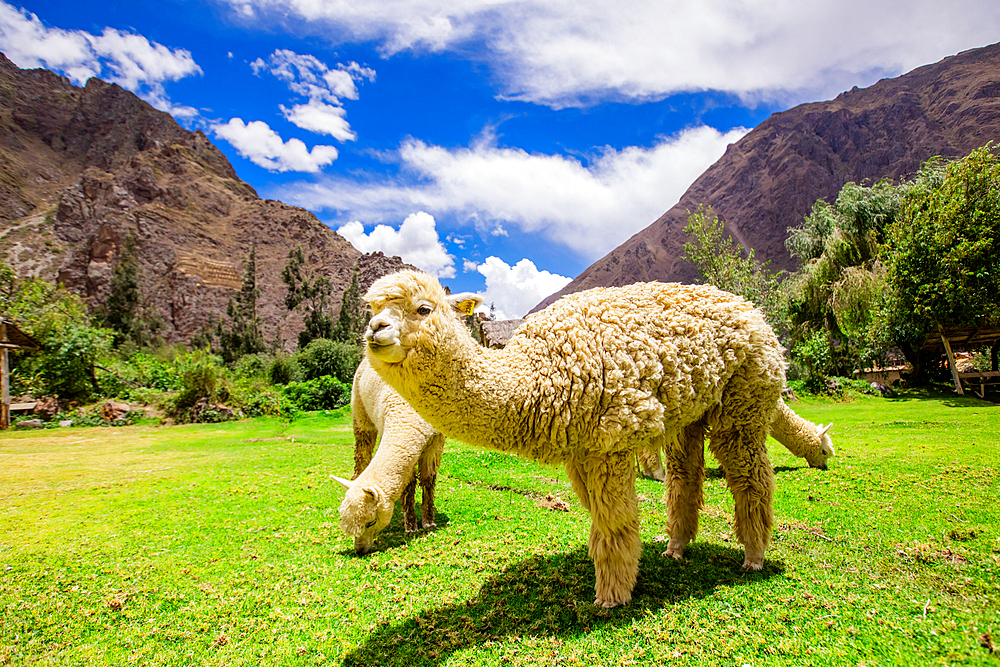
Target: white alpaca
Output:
[(408, 445), (799, 436), (590, 381)]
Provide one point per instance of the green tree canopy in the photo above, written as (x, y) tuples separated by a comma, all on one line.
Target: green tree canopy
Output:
[(723, 263), (944, 252)]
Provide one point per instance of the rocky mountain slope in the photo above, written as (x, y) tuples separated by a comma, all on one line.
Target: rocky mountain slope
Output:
[(768, 180), (83, 168)]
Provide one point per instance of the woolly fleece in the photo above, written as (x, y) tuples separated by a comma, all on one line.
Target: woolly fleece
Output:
[(588, 382)]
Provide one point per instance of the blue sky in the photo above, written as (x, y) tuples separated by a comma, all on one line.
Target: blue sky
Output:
[(504, 145)]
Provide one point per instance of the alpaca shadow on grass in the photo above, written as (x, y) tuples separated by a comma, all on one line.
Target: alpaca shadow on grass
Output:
[(716, 472), (552, 596)]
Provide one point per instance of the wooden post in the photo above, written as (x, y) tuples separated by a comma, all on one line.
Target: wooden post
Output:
[(952, 366), (4, 380)]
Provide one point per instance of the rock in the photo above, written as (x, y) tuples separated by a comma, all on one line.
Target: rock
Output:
[(113, 411), (30, 423), (66, 422), (46, 407)]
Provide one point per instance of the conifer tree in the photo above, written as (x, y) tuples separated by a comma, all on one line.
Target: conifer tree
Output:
[(353, 315)]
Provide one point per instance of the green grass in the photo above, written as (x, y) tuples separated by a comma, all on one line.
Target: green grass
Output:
[(219, 545)]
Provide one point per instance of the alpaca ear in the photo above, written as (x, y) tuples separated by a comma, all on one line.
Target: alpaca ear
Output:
[(466, 302), (824, 429), (340, 480), (370, 494)]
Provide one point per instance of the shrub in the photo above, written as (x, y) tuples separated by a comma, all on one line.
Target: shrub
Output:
[(323, 393), (326, 357), (283, 370)]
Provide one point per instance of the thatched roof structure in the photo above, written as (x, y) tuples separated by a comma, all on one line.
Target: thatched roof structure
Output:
[(496, 333), (11, 338)]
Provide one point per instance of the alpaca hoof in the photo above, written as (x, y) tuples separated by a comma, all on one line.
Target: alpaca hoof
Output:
[(675, 549), (753, 564), (428, 526), (608, 604)]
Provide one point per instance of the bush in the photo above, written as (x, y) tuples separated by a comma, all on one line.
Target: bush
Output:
[(283, 370), (326, 357), (256, 398), (322, 393)]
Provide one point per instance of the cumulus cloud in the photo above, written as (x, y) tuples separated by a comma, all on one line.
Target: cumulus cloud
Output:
[(131, 61), (590, 208), (416, 241), (568, 52), (514, 290), (324, 87), (257, 142)]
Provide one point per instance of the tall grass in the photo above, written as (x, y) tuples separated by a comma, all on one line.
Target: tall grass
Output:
[(219, 544)]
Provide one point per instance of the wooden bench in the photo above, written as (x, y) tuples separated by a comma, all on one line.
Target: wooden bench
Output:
[(985, 378), (23, 407)]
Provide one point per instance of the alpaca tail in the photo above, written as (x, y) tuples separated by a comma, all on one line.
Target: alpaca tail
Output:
[(801, 437)]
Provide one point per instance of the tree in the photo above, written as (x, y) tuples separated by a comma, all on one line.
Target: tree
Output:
[(69, 347), (244, 335), (353, 316), (124, 310), (832, 298), (723, 263), (943, 262), (309, 292)]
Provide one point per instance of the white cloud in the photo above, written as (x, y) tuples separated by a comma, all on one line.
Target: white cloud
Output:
[(416, 241), (566, 52), (131, 61), (590, 208), (257, 142), (320, 118), (324, 87), (514, 290)]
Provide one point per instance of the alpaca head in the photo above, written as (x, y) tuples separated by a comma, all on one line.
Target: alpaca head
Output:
[(826, 449), (411, 311), (366, 510)]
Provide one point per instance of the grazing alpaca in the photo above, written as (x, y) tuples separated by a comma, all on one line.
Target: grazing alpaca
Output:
[(408, 444), (799, 436), (588, 382)]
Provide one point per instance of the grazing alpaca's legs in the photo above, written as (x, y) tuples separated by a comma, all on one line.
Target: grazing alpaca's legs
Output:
[(364, 441), (685, 465), (606, 487), (409, 499), (650, 461), (430, 459)]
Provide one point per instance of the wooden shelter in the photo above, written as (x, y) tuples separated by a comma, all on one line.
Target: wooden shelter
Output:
[(952, 339), (11, 338)]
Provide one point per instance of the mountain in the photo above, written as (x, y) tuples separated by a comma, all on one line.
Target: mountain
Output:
[(768, 181), (81, 169)]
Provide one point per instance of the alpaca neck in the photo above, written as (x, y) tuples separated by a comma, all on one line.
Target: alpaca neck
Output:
[(464, 390), (395, 460)]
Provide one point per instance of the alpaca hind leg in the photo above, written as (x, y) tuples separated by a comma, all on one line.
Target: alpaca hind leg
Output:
[(615, 545), (430, 459), (743, 456), (685, 468)]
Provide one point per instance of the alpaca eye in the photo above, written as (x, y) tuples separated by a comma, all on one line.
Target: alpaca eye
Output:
[(371, 523), (424, 311)]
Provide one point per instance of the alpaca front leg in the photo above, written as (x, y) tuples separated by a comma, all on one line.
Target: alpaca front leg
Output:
[(430, 459), (409, 506), (685, 465), (615, 544), (364, 447)]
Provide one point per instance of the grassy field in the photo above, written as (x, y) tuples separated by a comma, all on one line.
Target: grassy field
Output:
[(220, 545)]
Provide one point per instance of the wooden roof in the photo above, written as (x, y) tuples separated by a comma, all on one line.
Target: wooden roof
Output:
[(961, 338), (13, 338)]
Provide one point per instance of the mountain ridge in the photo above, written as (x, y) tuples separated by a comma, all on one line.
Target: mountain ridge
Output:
[(769, 179)]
